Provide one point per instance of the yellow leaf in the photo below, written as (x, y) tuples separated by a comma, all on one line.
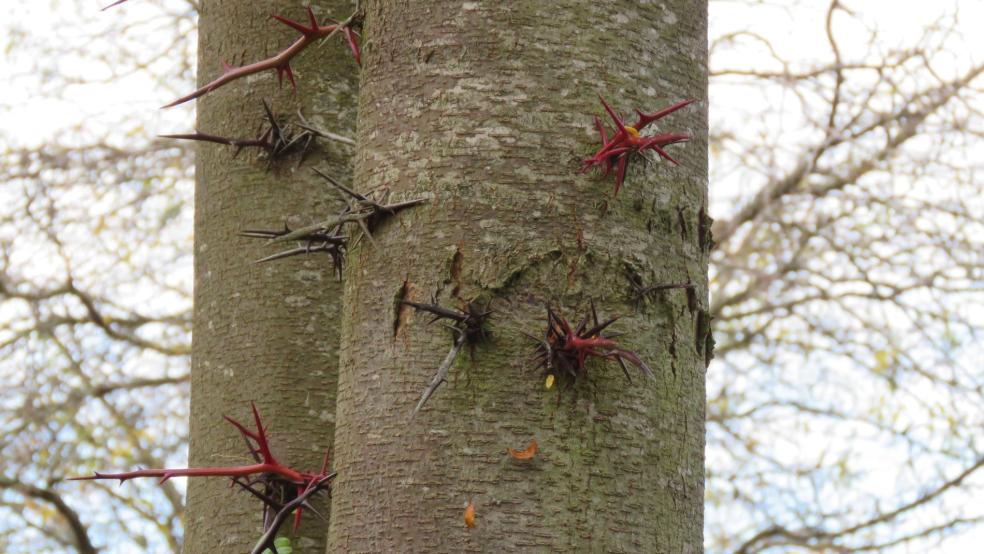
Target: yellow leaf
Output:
[(883, 361)]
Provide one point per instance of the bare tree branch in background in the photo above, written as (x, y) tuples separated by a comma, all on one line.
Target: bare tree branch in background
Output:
[(95, 312), (79, 536), (847, 274)]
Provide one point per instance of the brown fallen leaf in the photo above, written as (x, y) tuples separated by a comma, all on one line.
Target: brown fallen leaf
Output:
[(524, 454), (470, 515)]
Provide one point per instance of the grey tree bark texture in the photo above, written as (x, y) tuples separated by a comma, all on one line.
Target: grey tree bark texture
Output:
[(264, 333), (486, 107)]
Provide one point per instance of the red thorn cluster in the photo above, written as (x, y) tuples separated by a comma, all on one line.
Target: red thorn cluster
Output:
[(283, 489), (565, 350), (310, 33), (615, 151)]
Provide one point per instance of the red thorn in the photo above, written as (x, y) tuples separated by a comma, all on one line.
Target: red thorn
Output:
[(279, 61), (297, 26), (646, 119), (620, 173), (312, 19), (663, 153), (619, 123), (226, 68), (261, 437), (324, 464), (242, 429), (615, 151), (286, 70), (353, 45), (601, 130)]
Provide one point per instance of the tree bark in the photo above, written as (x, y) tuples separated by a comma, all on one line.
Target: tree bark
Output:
[(486, 107), (264, 333)]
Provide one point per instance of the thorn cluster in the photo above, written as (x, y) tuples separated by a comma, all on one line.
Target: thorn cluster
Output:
[(364, 210), (323, 239), (564, 350), (310, 33), (468, 327), (327, 236), (281, 489), (276, 137), (628, 140)]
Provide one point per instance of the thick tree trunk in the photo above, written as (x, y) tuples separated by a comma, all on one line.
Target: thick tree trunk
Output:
[(264, 333), (487, 107)]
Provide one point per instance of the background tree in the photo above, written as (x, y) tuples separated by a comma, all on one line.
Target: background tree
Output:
[(878, 411), (268, 333)]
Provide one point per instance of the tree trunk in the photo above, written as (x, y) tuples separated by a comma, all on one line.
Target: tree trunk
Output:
[(264, 333), (486, 107)]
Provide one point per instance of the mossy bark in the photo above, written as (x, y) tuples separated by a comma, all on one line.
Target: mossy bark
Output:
[(264, 333), (486, 107)]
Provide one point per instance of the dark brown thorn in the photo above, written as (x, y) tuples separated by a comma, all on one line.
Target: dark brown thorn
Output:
[(633, 358), (265, 498), (600, 327), (625, 369), (665, 286), (328, 248), (441, 375), (438, 311), (345, 189), (264, 233), (581, 325), (266, 540), (199, 136)]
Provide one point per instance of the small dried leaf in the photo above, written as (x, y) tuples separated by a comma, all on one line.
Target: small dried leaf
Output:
[(550, 381), (470, 515), (524, 454)]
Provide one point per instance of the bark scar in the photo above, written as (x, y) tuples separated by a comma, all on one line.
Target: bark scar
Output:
[(704, 223), (401, 311), (681, 219), (455, 270), (673, 351)]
